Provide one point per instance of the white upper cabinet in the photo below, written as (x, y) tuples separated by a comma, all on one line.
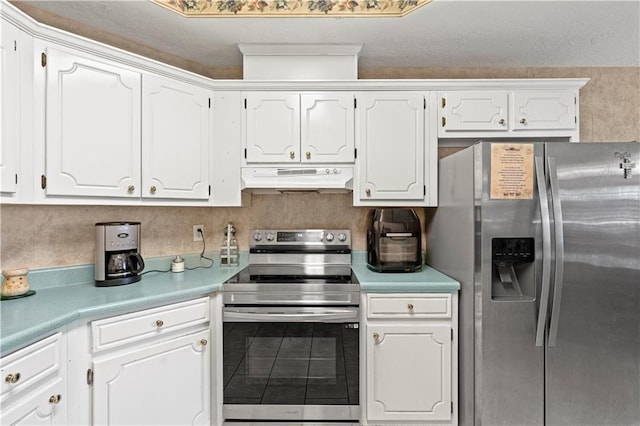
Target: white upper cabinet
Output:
[(518, 113), (534, 110), (175, 139), (392, 150), (466, 111), (114, 132), (9, 107), (295, 128), (327, 127), (92, 127), (272, 127)]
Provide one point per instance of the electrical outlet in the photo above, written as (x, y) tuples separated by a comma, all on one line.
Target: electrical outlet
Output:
[(198, 232)]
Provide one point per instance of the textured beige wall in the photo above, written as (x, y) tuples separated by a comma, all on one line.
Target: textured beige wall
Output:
[(45, 236)]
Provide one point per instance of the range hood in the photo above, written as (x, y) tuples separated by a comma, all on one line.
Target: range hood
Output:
[(297, 179)]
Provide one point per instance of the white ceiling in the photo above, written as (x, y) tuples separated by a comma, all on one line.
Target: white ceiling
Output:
[(444, 33)]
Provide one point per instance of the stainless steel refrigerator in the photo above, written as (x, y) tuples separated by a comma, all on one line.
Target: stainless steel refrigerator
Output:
[(545, 240)]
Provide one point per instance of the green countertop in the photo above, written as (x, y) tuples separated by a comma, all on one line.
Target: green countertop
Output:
[(64, 295)]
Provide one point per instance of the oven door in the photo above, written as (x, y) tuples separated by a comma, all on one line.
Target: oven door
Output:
[(291, 363)]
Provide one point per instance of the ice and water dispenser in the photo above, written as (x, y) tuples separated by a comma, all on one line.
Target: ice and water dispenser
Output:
[(513, 275)]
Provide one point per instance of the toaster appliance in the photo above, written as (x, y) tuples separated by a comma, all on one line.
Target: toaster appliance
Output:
[(394, 240)]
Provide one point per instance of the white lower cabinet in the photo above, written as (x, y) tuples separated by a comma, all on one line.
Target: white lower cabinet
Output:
[(153, 384), (152, 367), (45, 406), (410, 345), (34, 384)]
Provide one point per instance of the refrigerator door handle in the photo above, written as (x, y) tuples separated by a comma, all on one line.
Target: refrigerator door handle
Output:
[(546, 251), (559, 246)]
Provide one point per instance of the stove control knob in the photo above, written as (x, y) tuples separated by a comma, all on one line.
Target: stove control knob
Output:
[(329, 237), (257, 236), (270, 236), (342, 237)]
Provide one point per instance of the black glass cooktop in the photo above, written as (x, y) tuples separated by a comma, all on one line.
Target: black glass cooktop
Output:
[(252, 275)]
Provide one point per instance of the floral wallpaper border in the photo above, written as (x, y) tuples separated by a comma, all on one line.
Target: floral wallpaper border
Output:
[(290, 8)]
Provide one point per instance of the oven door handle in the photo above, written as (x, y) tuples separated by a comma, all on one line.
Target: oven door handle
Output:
[(264, 314)]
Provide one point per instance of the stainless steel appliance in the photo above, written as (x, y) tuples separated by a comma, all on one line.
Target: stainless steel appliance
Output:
[(290, 319), (117, 260), (394, 240), (545, 240)]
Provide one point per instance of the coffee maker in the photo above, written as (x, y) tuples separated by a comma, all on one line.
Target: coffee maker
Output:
[(117, 259)]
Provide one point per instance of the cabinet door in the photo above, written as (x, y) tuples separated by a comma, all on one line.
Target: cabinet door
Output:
[(175, 139), (166, 383), (473, 111), (9, 106), (391, 128), (92, 127), (327, 127), (540, 110), (272, 127), (408, 372), (43, 406)]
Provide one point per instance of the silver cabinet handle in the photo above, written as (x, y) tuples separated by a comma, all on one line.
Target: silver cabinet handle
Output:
[(546, 251), (559, 239), (501, 121), (523, 121)]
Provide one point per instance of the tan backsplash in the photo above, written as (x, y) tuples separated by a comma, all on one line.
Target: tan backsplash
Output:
[(46, 236)]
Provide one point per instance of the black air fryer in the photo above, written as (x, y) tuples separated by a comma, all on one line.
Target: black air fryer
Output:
[(394, 240)]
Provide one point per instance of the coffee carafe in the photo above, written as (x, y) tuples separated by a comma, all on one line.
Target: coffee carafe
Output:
[(118, 261)]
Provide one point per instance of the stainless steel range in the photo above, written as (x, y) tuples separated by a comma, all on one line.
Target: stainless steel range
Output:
[(291, 330)]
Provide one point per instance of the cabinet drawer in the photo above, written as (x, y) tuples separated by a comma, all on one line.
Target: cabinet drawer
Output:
[(409, 306), (30, 365), (122, 329), (37, 406)]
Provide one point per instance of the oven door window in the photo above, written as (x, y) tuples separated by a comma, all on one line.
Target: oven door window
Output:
[(290, 363)]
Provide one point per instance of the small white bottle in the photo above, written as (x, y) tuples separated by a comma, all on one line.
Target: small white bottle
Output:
[(229, 248)]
